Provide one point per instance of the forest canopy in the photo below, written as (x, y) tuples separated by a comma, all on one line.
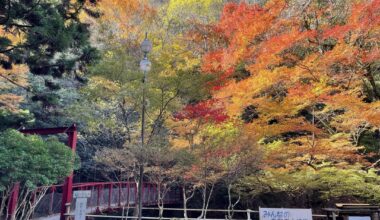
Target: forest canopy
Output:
[(246, 102)]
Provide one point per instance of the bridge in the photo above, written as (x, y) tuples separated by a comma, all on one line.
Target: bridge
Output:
[(58, 199), (105, 196)]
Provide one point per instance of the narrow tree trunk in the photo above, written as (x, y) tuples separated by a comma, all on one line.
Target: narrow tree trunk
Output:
[(185, 200), (161, 211), (33, 204), (208, 199), (231, 206), (136, 209), (160, 202), (204, 191), (3, 203), (229, 214)]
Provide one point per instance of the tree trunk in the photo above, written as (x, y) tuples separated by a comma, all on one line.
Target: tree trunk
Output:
[(231, 206), (3, 203), (371, 80), (185, 200), (160, 202), (33, 204), (208, 199), (160, 211), (204, 191), (136, 209)]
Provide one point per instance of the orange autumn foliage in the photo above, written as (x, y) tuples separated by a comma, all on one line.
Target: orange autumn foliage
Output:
[(12, 78), (311, 81)]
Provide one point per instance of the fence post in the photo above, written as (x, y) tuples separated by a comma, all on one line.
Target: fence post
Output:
[(248, 214), (67, 214), (98, 200), (119, 205), (51, 200), (110, 195), (136, 195), (128, 195)]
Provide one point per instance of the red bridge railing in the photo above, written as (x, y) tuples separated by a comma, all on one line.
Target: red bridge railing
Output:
[(104, 196)]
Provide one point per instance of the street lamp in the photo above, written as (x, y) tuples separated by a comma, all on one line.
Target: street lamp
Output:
[(145, 66)]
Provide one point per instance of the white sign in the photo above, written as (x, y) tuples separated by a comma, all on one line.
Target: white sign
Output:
[(81, 204), (80, 209), (359, 217), (285, 214), (82, 194)]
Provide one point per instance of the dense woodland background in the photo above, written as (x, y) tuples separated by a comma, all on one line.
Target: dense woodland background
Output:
[(271, 103)]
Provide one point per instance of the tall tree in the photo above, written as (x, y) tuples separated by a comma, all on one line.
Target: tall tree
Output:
[(284, 71)]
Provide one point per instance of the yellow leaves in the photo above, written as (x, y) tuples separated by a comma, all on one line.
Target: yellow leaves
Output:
[(120, 11), (272, 147), (99, 87), (122, 21), (203, 10), (17, 74), (219, 133), (305, 151), (100, 82), (14, 38), (16, 77), (175, 57), (10, 102)]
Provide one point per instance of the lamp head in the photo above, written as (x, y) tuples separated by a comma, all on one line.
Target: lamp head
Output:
[(145, 65), (146, 45)]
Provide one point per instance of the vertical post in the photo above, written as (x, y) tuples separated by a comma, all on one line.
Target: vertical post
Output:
[(68, 185), (248, 214), (110, 195), (136, 195), (12, 202), (98, 200), (145, 65), (143, 194), (141, 168), (120, 191), (128, 195), (148, 194), (51, 200)]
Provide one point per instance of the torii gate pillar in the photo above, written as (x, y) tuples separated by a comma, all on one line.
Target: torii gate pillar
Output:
[(72, 143)]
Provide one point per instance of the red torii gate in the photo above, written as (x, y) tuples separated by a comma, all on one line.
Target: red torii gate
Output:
[(68, 185)]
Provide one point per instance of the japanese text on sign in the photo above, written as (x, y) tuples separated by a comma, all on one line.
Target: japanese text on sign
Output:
[(285, 214), (81, 204)]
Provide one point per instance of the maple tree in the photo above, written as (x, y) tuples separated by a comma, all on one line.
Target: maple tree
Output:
[(199, 170), (284, 70), (215, 152)]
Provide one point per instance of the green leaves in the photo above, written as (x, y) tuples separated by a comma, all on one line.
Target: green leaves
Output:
[(323, 185), (52, 36), (32, 160)]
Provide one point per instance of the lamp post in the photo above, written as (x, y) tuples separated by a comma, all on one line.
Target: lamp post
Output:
[(145, 65)]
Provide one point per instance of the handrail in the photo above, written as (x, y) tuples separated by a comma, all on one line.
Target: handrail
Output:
[(95, 184), (105, 195), (199, 210), (248, 211)]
